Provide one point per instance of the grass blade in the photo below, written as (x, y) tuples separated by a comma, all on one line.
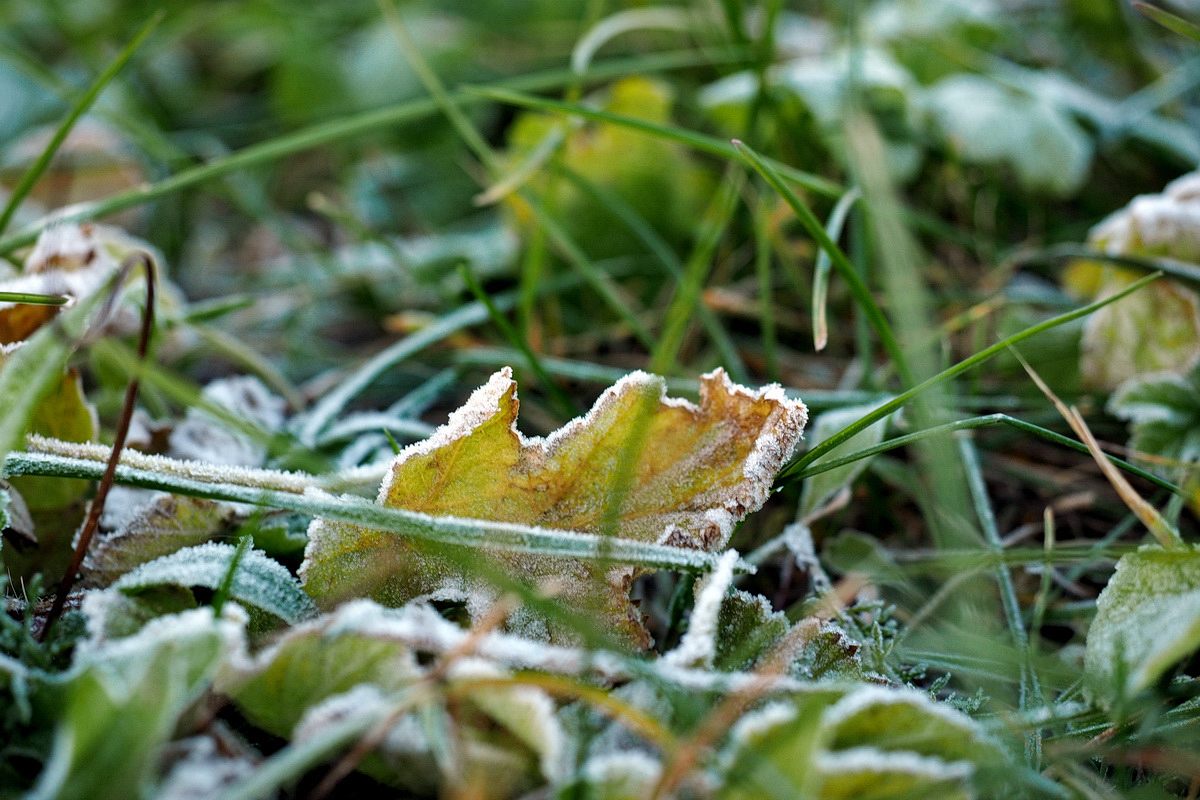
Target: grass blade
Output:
[(859, 289), (820, 292), (967, 363), (1170, 21), (82, 104)]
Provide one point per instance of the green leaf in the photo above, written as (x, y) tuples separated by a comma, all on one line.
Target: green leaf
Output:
[(314, 662), (259, 583), (167, 524), (1147, 619), (63, 414), (820, 488), (122, 702), (1164, 415), (1170, 21), (638, 467)]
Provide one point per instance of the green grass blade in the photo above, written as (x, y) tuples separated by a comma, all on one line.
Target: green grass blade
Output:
[(80, 107), (328, 132), (766, 291), (1170, 21), (983, 422), (859, 289), (687, 138), (978, 358), (687, 297), (33, 299), (563, 404)]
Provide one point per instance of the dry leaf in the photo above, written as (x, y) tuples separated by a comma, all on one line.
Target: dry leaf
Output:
[(638, 466)]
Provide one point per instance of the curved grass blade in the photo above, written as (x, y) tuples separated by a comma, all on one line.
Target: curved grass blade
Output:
[(82, 104), (858, 288), (820, 292), (983, 355), (34, 299)]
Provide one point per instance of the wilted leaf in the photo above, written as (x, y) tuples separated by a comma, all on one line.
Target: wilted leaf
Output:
[(259, 582), (638, 466), (1147, 619), (1158, 328), (167, 524)]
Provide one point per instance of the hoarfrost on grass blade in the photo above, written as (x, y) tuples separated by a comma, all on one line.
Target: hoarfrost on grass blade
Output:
[(638, 467), (699, 644)]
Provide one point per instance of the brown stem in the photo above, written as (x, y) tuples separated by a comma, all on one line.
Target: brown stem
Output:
[(106, 481)]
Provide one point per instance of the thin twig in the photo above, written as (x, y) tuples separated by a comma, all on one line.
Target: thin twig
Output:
[(106, 481)]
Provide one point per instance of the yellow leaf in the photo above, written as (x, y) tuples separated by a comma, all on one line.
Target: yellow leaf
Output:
[(638, 466)]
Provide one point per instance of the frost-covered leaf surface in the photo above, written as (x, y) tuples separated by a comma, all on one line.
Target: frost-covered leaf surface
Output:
[(638, 466), (1158, 328), (258, 581), (1163, 411), (1147, 619)]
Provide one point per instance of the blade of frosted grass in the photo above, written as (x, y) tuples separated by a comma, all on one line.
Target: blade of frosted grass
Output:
[(858, 288), (563, 404), (1170, 21), (1030, 687), (683, 136), (820, 291), (766, 290), (983, 422), (978, 358), (81, 105), (328, 132), (469, 533), (662, 251), (682, 308), (359, 424), (29, 298)]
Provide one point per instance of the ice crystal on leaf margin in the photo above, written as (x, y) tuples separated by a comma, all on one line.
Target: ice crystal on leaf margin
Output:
[(639, 466)]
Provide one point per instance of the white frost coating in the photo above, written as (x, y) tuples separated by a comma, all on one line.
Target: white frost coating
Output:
[(872, 760), (699, 644), (364, 698), (201, 437), (203, 773), (869, 696), (756, 724), (204, 472), (627, 773)]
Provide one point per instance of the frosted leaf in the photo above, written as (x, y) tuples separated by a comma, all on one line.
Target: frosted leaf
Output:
[(122, 699), (1163, 410), (167, 524), (820, 488), (259, 582), (1147, 619), (638, 466), (309, 664), (626, 775), (699, 644), (1158, 328), (201, 771), (866, 773), (200, 437), (526, 712)]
